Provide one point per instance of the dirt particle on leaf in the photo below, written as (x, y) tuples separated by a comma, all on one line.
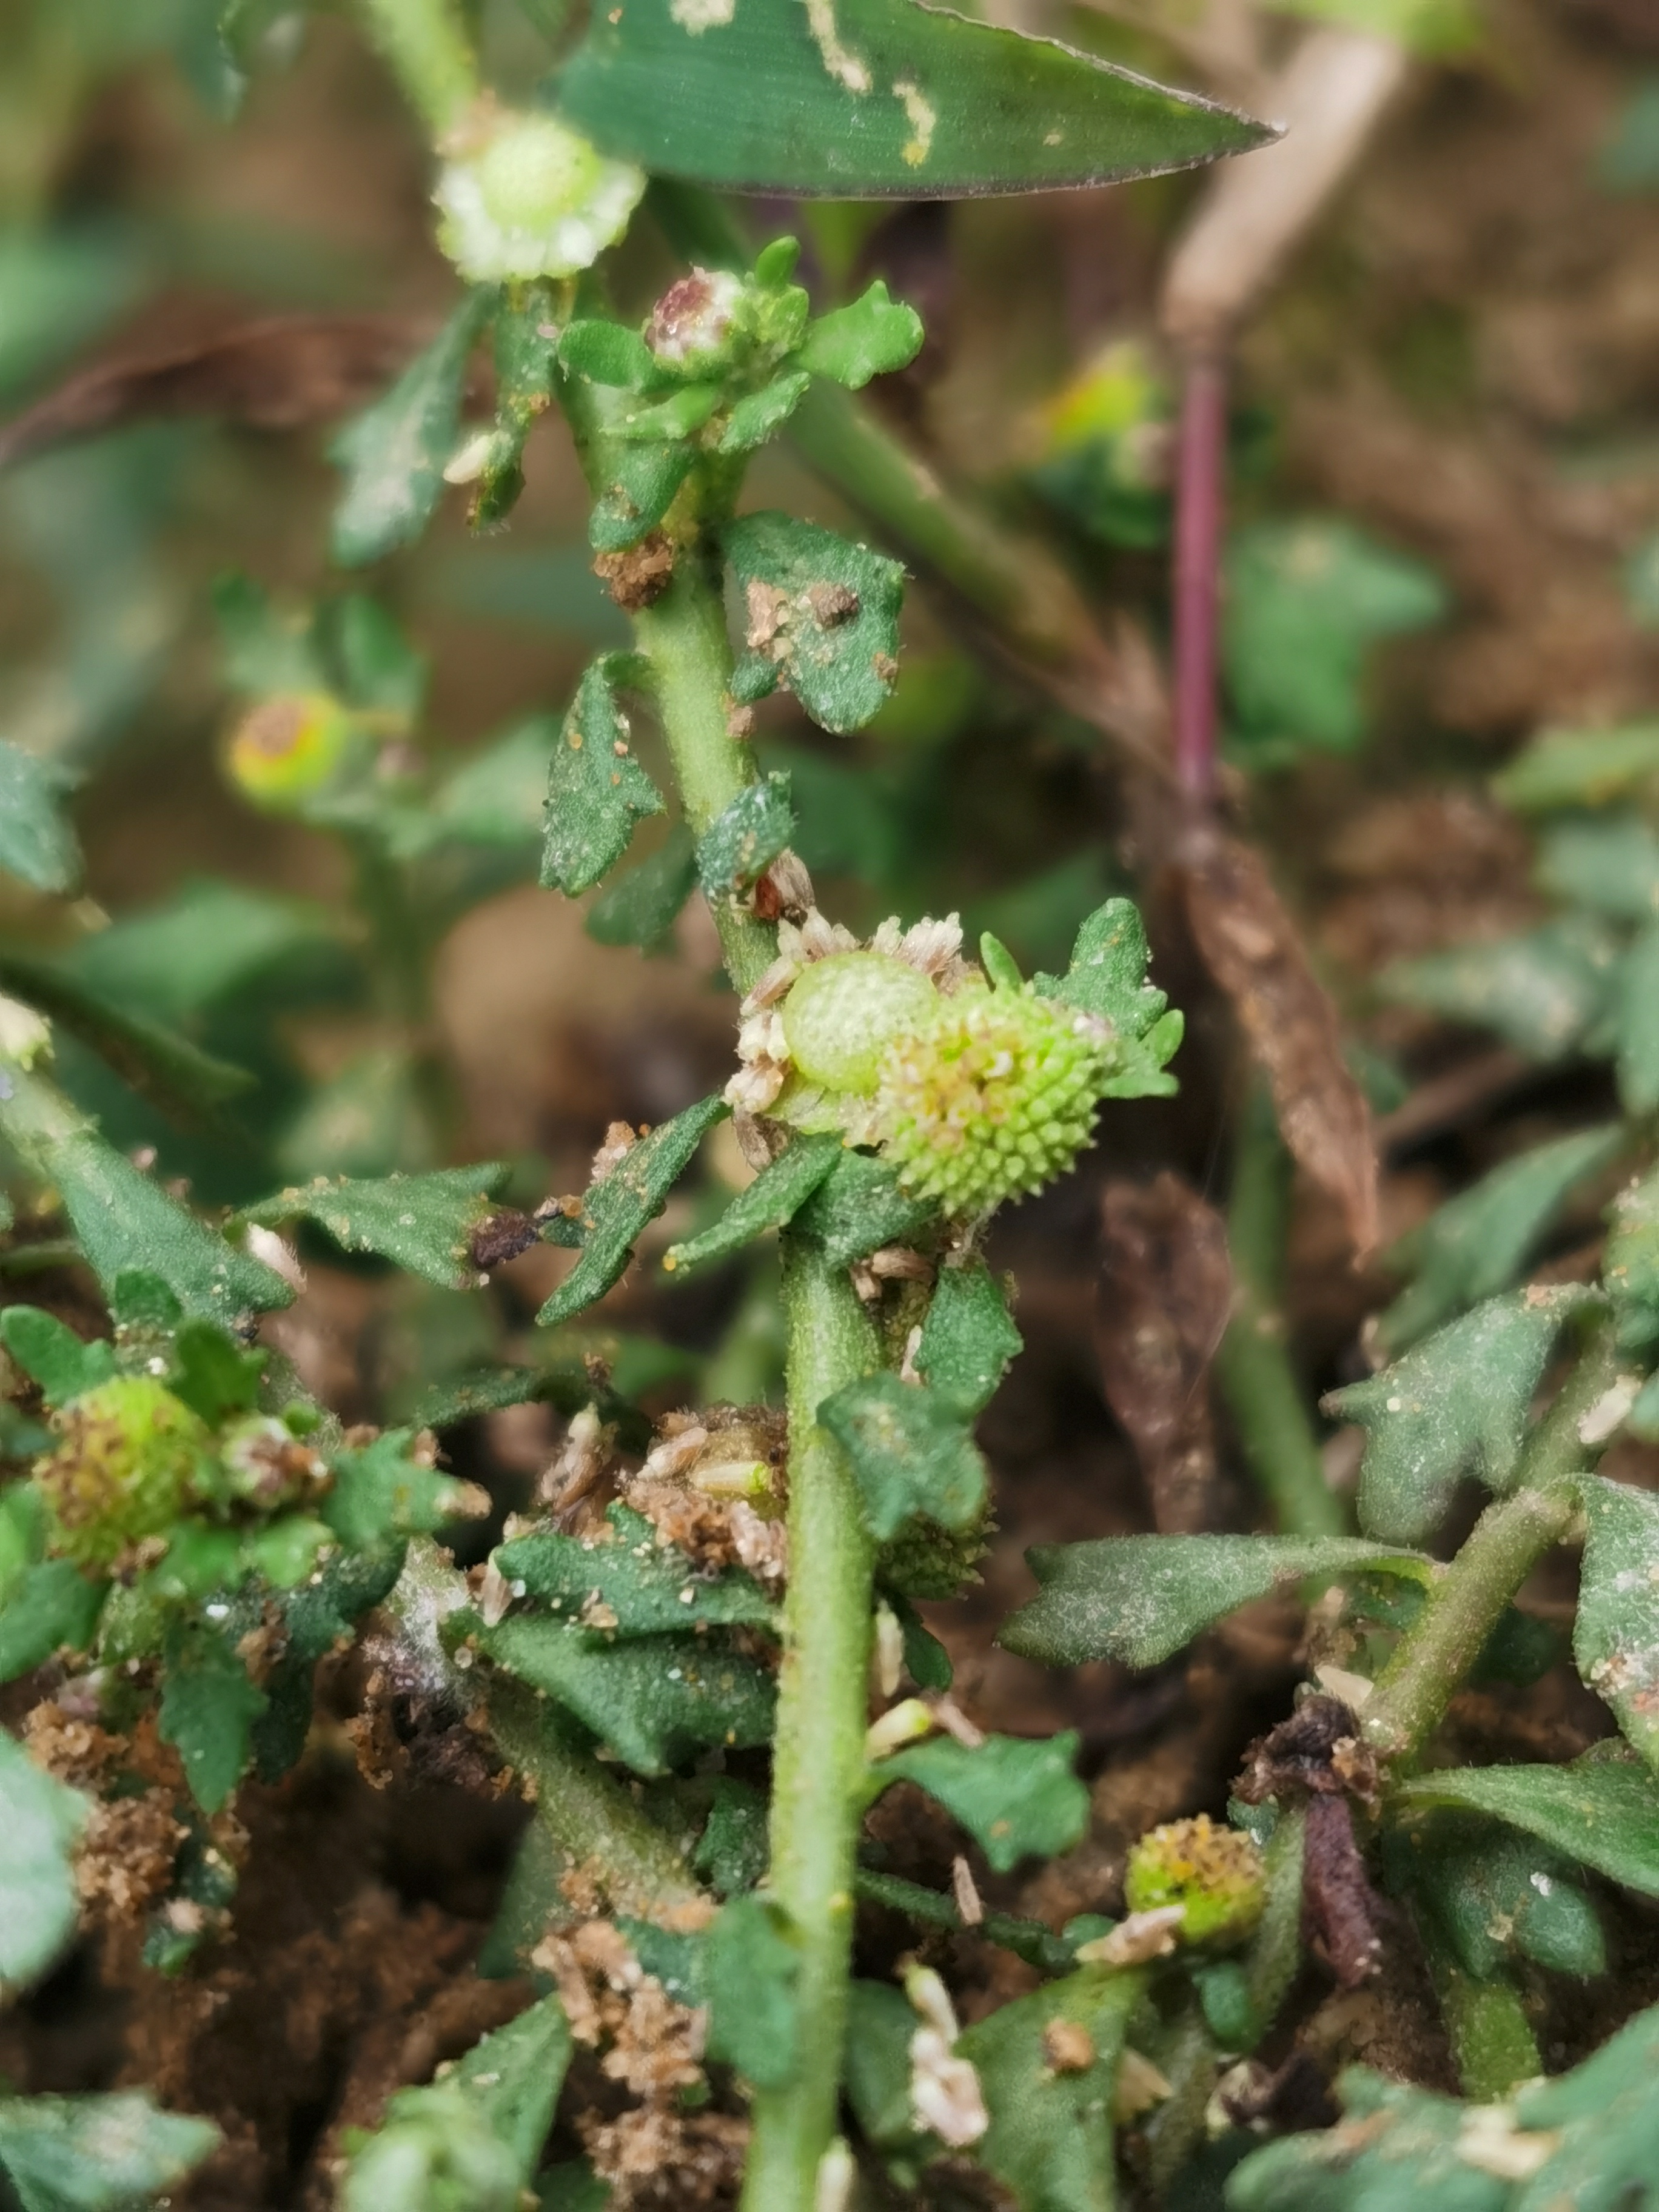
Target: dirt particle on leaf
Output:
[(1068, 2047), (831, 605), (640, 575)]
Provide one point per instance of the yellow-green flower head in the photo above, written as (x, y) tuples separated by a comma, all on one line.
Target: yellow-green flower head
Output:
[(1215, 1874), (126, 1466), (292, 748), (531, 198), (843, 1014), (992, 1097)]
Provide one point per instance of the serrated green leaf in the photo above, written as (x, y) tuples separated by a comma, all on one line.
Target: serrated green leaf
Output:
[(1635, 1020), (859, 1207), (1615, 1637), (647, 1587), (37, 842), (911, 1452), (37, 1898), (1108, 979), (207, 1710), (1630, 1264), (1016, 1796), (771, 1201), (424, 1222), (758, 414), (214, 1374), (872, 335), (380, 1493), (1141, 1599), (742, 843), (733, 1851), (640, 907), (1479, 1242), (616, 1209), (823, 617), (751, 1970), (1562, 768), (1603, 1811), (97, 2153), (59, 1362), (968, 1338), (52, 1607), (1455, 1405), (177, 1076), (596, 789), (394, 455), (317, 1615), (1612, 866), (1544, 993), (872, 102), (1394, 2150)]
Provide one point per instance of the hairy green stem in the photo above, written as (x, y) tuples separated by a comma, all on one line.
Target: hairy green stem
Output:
[(430, 54), (819, 1768), (1465, 1605), (1027, 1939), (1263, 1392)]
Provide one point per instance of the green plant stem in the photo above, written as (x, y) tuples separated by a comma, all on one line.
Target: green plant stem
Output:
[(819, 1769), (1263, 1392), (1436, 1653), (1492, 2039), (1027, 1939), (431, 56)]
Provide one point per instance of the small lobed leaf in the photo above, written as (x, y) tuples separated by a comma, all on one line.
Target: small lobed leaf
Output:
[(859, 1207), (1107, 979), (37, 843), (640, 906), (424, 1222), (610, 354), (596, 789), (742, 843), (1615, 1636), (1141, 1599), (50, 1351), (644, 476), (207, 1710), (872, 335), (758, 414), (911, 1452), (1545, 993), (617, 1207), (648, 1588), (771, 1201), (51, 1606), (38, 1900), (823, 617), (379, 1493), (98, 2154), (1497, 1895), (1016, 1796), (317, 1615), (968, 1338), (1636, 1030), (1601, 1811)]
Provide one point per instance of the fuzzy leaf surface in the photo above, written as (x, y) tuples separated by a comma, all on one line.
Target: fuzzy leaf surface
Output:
[(1603, 1811), (650, 1588), (823, 617), (421, 1222), (596, 789), (380, 1493), (45, 1348), (97, 2153), (1394, 2150), (911, 1451), (872, 335), (1016, 1796), (39, 1901), (37, 843), (772, 1200), (968, 1338), (742, 842), (859, 1207), (1615, 1636), (395, 453), (1544, 993), (1609, 2117)]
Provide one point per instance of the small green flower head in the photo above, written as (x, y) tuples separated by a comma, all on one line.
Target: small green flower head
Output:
[(127, 1460), (296, 747), (845, 1011), (1215, 1874), (265, 1465), (531, 198), (992, 1097)]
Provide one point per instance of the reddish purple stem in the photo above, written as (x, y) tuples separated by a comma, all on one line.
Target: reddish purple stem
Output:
[(1199, 491)]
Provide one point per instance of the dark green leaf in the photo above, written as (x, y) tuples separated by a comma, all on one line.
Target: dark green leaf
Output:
[(742, 842), (617, 1208), (643, 479), (37, 1898), (877, 101), (565, 1385), (1544, 993), (97, 2153), (823, 617), (1609, 2123), (1496, 1893), (423, 1222), (1615, 1637), (1580, 767), (1140, 1599), (872, 335), (772, 1200), (640, 906), (1394, 2150), (859, 1208), (395, 453), (911, 1451), (1636, 1023), (317, 1615), (214, 1374), (751, 1970), (926, 1661), (51, 1606), (512, 2077), (1611, 867), (756, 417), (526, 347), (733, 1851), (176, 1075), (209, 943), (606, 353), (573, 2187), (645, 1587), (1016, 1796), (36, 841), (1108, 979), (1603, 1811), (596, 789), (380, 1493), (57, 1359), (968, 1338), (209, 1707)]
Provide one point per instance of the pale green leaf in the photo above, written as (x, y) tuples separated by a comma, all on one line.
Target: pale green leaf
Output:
[(646, 1587), (1602, 1811), (643, 478), (772, 1200), (1394, 2149), (968, 1338), (424, 1222), (36, 841), (1615, 1636), (209, 942), (823, 617), (596, 788), (1608, 2118), (1581, 767), (59, 1362), (184, 1082), (1016, 1796), (1611, 866), (1108, 979), (97, 2153), (1630, 1263), (37, 1898), (872, 335), (640, 906), (1637, 1020), (757, 414), (740, 845), (911, 1450), (1545, 993)]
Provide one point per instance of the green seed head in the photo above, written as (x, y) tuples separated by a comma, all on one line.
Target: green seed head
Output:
[(992, 1097), (843, 1015), (533, 198), (127, 1460), (1215, 1874)]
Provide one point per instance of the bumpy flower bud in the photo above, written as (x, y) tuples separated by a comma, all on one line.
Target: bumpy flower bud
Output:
[(266, 1465), (127, 1461), (1214, 1874), (691, 326), (993, 1096), (845, 1011), (290, 749), (531, 198)]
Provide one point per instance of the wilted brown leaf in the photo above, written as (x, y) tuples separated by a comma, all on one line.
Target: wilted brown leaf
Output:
[(1250, 946), (1165, 1293)]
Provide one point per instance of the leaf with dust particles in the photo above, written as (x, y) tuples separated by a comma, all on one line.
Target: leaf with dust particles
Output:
[(911, 1452), (871, 99), (1564, 769), (616, 1208), (821, 617), (1630, 1265), (640, 1587), (395, 453), (98, 2154), (527, 346), (1477, 1245), (39, 1901), (740, 845), (872, 335), (1603, 1811), (1047, 2065), (596, 788), (968, 1338), (1141, 1599), (1253, 949), (1544, 993), (37, 843), (1615, 1636), (424, 1222), (1636, 1019), (50, 1351), (1160, 1309), (209, 1707), (859, 1207), (1107, 978), (1456, 1405), (771, 1201), (1016, 1796)]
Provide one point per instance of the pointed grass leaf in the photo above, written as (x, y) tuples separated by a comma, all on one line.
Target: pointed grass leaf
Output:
[(45, 1348), (751, 1970), (968, 1338), (1544, 993), (1141, 1599), (617, 1208), (1615, 1637), (1563, 769), (394, 455), (98, 2153), (645, 1587), (872, 335), (424, 1222), (771, 1201), (823, 617), (875, 99), (38, 1900), (859, 1207), (741, 844), (911, 1451), (207, 1710), (640, 907), (1636, 1019), (596, 788), (1611, 867), (1455, 1405), (1603, 1812), (37, 844), (50, 1607), (1016, 1796)]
